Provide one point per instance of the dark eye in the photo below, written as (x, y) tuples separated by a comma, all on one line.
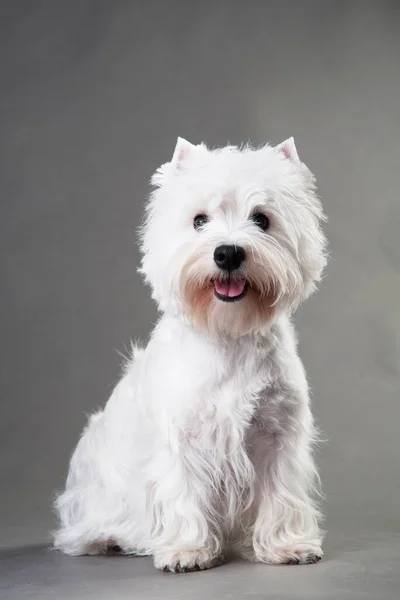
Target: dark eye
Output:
[(199, 221), (261, 221)]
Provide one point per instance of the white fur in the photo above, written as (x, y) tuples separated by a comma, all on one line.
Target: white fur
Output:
[(205, 443)]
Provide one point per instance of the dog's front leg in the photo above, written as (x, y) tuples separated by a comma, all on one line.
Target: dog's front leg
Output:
[(286, 527), (186, 535)]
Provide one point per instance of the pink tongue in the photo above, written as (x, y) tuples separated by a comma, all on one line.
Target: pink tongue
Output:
[(230, 288)]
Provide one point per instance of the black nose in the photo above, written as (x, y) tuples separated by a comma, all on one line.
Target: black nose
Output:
[(229, 258)]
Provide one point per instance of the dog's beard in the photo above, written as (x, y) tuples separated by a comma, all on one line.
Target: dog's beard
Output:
[(235, 318), (252, 311), (246, 301)]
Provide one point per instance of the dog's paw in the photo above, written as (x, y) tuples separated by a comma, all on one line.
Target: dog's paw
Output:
[(186, 561), (302, 554), (309, 559)]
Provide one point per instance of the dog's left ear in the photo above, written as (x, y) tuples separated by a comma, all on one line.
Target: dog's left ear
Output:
[(182, 151), (288, 148)]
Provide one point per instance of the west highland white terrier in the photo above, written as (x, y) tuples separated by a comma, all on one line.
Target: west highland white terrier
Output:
[(205, 445)]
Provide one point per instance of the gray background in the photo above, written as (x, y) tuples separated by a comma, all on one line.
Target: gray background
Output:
[(93, 96)]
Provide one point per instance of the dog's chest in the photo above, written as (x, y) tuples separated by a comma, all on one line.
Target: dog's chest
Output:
[(232, 400)]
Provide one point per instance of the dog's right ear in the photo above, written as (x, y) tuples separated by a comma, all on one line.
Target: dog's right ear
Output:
[(182, 151)]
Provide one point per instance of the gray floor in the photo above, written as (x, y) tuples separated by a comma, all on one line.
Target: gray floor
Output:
[(93, 96), (363, 565)]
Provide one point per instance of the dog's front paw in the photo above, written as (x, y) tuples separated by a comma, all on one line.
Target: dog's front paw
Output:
[(306, 559), (301, 554), (186, 561)]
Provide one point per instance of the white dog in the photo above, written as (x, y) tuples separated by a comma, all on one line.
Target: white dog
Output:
[(205, 443)]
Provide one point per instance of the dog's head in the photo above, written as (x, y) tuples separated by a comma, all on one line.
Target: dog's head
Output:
[(232, 236)]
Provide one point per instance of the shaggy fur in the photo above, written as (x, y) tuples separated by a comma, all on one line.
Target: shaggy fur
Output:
[(205, 444)]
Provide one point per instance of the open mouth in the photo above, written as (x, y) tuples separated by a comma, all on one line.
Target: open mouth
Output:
[(230, 290)]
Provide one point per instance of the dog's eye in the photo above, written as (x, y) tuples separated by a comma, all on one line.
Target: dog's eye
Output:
[(261, 221), (199, 221)]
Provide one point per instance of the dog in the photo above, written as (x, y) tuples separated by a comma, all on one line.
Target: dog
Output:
[(206, 443)]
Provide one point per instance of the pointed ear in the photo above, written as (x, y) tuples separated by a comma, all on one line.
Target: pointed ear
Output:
[(182, 150), (288, 148)]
